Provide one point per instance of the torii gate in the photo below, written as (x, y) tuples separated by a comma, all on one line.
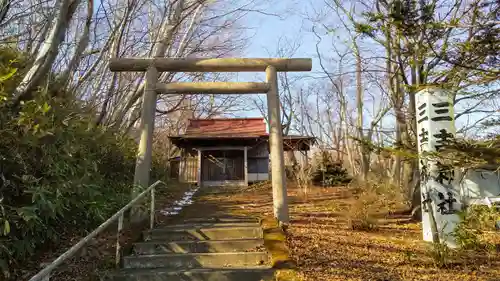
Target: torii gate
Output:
[(152, 67)]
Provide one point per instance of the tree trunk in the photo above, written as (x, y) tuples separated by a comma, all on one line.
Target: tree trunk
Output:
[(396, 170), (394, 92), (114, 52), (65, 78), (4, 8), (166, 33), (345, 135), (416, 198), (359, 104), (48, 52)]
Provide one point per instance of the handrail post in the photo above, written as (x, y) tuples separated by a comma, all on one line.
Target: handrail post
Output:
[(152, 214), (118, 244)]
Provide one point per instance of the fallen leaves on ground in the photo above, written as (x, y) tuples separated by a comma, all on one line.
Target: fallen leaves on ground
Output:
[(325, 248)]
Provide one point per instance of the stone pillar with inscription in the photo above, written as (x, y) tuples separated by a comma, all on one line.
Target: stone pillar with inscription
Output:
[(440, 199)]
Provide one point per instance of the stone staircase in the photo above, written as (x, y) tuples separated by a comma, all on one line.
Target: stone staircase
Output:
[(220, 249)]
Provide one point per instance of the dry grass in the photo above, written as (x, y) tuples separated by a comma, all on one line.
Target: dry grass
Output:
[(325, 247), (322, 243)]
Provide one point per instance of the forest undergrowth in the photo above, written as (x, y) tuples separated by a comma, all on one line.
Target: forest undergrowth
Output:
[(60, 174)]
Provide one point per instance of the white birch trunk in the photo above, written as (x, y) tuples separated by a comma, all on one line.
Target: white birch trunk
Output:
[(48, 52), (80, 48)]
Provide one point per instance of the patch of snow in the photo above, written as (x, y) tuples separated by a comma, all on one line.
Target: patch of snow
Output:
[(186, 200)]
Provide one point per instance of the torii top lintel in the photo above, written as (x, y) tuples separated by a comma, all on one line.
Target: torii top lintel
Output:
[(210, 64)]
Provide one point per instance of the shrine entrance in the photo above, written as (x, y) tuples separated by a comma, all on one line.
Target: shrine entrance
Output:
[(219, 167)]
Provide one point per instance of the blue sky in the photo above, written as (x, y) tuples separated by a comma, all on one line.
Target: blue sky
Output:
[(268, 30), (293, 24)]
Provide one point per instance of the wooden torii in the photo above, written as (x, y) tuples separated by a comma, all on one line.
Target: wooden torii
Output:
[(153, 66)]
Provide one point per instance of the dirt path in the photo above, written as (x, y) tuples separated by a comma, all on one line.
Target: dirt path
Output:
[(325, 248)]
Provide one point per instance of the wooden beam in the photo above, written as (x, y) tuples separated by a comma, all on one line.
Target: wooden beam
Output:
[(212, 88), (198, 170), (210, 65), (205, 148), (245, 165)]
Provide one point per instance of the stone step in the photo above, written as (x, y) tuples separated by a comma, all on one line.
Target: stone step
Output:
[(210, 225), (207, 246), (204, 233), (197, 260), (222, 219), (204, 274)]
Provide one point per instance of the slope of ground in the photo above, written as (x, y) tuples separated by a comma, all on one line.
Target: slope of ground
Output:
[(99, 254), (325, 248)]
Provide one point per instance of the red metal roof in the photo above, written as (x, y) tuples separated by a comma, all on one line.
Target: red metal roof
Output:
[(230, 127)]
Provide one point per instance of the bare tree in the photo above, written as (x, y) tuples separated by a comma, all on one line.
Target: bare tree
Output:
[(418, 45), (289, 90), (78, 47), (4, 8), (47, 54)]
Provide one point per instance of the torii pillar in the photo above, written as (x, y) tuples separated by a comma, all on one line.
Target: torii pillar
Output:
[(278, 178)]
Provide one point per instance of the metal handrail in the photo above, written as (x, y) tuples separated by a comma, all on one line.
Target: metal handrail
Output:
[(44, 274)]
